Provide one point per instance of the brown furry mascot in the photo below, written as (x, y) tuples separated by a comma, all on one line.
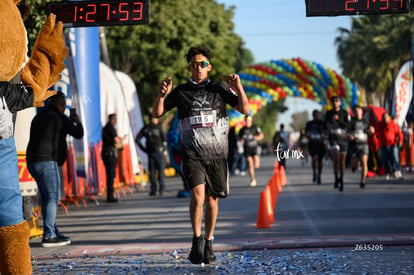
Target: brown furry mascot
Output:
[(23, 84)]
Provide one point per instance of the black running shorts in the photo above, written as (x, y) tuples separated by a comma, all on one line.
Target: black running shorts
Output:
[(213, 173), (317, 148)]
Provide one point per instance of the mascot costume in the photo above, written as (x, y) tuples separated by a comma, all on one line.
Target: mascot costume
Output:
[(23, 84)]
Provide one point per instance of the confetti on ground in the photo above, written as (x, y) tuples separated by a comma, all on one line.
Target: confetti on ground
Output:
[(390, 260)]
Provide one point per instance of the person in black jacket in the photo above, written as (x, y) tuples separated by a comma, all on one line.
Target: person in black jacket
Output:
[(337, 122), (154, 147), (110, 144), (46, 152)]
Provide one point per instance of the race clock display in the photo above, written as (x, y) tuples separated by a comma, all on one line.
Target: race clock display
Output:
[(355, 7), (101, 13)]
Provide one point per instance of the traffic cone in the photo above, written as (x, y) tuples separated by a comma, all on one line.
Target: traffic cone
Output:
[(276, 182), (282, 175), (273, 192), (263, 215), (269, 203), (276, 167)]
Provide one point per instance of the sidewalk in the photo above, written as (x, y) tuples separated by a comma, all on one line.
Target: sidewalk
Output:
[(318, 230)]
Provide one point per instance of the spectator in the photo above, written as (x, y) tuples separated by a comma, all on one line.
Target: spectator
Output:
[(237, 160), (110, 145), (46, 153), (391, 139), (154, 147)]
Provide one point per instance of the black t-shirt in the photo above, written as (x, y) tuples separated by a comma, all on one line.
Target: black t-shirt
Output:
[(248, 134), (203, 120), (154, 136), (314, 131), (337, 128), (108, 135)]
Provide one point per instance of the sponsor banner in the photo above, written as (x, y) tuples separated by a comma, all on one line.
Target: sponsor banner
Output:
[(403, 91), (134, 113), (113, 101), (80, 164), (85, 51)]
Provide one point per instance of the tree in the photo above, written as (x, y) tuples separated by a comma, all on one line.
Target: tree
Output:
[(150, 53), (35, 21), (375, 47)]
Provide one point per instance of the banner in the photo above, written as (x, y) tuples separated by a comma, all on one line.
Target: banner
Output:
[(113, 101), (403, 92), (84, 45), (68, 84), (134, 113)]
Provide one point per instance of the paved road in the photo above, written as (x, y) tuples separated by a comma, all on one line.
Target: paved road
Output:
[(374, 224)]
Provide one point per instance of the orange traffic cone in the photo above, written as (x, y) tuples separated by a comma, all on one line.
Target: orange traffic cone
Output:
[(276, 182), (263, 214), (282, 175), (273, 191), (276, 167), (269, 203)]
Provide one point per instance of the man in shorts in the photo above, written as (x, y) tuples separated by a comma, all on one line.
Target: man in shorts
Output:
[(358, 144), (315, 132), (203, 124), (251, 135), (337, 123)]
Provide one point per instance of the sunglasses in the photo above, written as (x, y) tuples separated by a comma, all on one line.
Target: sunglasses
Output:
[(203, 64)]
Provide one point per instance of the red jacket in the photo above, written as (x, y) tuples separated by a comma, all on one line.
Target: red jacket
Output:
[(389, 133)]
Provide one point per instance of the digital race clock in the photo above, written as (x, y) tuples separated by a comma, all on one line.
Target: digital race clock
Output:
[(355, 7), (101, 13)]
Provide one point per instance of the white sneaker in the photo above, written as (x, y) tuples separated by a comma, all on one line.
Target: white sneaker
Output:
[(242, 173), (253, 183), (397, 174), (237, 172), (388, 177)]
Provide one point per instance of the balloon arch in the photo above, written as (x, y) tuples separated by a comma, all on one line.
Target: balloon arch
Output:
[(278, 79)]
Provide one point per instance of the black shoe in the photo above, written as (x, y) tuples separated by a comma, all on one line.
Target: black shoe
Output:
[(209, 257), (314, 178), (111, 200), (362, 185), (54, 242), (318, 180), (341, 184), (197, 250), (64, 238), (152, 193), (336, 183)]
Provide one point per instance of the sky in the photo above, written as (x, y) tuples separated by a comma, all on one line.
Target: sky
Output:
[(275, 29)]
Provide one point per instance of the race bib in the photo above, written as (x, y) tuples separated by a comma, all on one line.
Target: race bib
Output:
[(360, 136), (315, 136), (337, 132), (203, 119)]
